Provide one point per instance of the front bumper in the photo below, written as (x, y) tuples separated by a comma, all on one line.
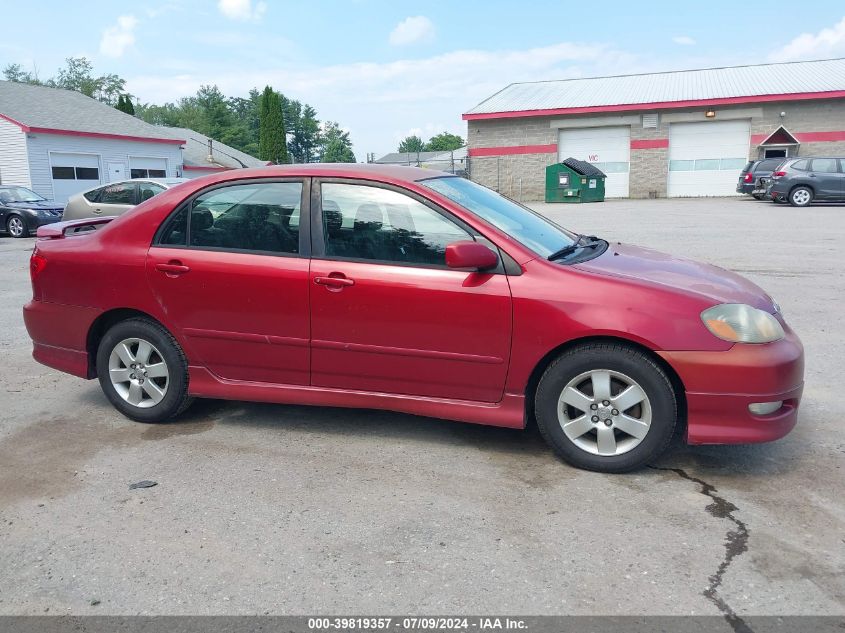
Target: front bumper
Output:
[(34, 221), (720, 386)]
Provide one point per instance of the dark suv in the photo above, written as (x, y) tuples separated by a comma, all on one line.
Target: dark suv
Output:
[(801, 181), (751, 177)]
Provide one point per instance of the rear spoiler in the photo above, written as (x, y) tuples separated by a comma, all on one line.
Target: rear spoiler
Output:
[(58, 230)]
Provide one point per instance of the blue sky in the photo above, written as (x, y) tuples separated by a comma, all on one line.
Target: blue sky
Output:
[(384, 70)]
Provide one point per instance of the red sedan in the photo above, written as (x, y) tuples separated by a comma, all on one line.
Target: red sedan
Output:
[(410, 290)]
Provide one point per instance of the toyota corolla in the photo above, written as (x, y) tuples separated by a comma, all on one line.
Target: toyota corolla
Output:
[(415, 291)]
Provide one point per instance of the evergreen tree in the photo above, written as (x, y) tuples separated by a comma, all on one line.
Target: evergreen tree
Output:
[(121, 104), (130, 108), (277, 141), (335, 146), (263, 122), (411, 145)]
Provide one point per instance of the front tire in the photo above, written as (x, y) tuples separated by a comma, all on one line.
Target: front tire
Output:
[(143, 371), (800, 196), (16, 226), (606, 407)]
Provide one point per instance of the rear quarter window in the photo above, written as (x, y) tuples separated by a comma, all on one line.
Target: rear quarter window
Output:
[(801, 165), (93, 195)]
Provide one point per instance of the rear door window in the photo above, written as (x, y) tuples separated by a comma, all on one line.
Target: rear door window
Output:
[(260, 217), (122, 193), (825, 165)]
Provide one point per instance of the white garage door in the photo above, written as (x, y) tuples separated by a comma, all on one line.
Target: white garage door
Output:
[(608, 148), (141, 167), (705, 159), (72, 173)]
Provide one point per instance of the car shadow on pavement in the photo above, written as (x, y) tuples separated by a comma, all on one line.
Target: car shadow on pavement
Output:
[(205, 414)]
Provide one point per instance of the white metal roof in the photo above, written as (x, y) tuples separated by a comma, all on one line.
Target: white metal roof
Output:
[(686, 85)]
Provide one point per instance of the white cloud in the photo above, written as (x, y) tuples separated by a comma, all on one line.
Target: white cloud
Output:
[(829, 42), (381, 102), (412, 30), (119, 37), (683, 40), (242, 9)]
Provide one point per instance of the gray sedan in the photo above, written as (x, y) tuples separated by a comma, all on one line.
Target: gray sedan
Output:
[(116, 197)]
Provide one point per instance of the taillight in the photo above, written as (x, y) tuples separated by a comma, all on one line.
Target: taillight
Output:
[(779, 174), (37, 263), (748, 177)]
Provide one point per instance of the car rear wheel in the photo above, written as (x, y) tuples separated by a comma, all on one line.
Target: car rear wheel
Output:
[(143, 371), (757, 196), (606, 407), (800, 196), (16, 226)]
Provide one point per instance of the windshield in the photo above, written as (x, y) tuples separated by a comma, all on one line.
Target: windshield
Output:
[(524, 225), (18, 194)]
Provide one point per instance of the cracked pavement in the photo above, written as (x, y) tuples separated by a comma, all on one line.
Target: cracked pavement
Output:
[(294, 510)]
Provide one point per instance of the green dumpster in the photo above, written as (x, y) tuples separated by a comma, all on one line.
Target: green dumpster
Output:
[(574, 181)]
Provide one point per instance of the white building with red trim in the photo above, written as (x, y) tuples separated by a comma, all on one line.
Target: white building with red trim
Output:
[(59, 142), (686, 133)]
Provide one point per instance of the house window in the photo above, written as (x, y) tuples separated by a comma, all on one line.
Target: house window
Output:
[(147, 173), (76, 173)]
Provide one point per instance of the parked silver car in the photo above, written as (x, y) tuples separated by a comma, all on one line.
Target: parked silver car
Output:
[(116, 197)]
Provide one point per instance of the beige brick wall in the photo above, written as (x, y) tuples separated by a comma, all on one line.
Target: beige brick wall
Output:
[(522, 176)]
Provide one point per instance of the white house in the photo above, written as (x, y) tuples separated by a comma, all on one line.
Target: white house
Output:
[(59, 142)]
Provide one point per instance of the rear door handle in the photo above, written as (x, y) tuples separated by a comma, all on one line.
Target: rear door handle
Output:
[(334, 282), (98, 211), (173, 268)]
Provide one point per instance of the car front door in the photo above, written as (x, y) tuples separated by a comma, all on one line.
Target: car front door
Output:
[(387, 315), (230, 271), (826, 179)]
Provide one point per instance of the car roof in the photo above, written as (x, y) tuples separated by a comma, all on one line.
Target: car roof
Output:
[(369, 171)]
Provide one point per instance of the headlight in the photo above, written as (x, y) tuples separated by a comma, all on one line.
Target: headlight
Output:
[(33, 211), (740, 323)]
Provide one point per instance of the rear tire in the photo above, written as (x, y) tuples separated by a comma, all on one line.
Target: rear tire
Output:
[(800, 196), (16, 226), (143, 371), (602, 430), (757, 196)]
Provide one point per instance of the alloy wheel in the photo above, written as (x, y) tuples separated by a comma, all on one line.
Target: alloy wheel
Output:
[(138, 372), (15, 226), (801, 197), (604, 412)]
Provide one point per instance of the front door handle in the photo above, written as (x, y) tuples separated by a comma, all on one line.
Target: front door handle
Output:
[(173, 268), (334, 282), (98, 211)]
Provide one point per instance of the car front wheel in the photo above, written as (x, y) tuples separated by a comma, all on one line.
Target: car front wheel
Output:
[(17, 227), (606, 407), (800, 196), (143, 371)]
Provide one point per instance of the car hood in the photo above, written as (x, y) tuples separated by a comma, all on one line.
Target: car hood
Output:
[(710, 282), (42, 204)]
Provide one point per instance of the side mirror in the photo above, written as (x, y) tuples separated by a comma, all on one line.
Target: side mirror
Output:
[(468, 254)]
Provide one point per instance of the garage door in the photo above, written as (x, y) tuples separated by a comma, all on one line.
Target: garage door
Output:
[(147, 167), (705, 159), (608, 148), (72, 173)]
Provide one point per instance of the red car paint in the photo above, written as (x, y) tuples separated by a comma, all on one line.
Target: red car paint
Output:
[(439, 342)]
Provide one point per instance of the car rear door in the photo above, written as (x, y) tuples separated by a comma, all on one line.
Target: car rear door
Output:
[(230, 270), (387, 315), (825, 178)]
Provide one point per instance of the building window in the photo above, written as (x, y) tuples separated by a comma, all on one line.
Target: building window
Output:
[(147, 173), (76, 173)]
